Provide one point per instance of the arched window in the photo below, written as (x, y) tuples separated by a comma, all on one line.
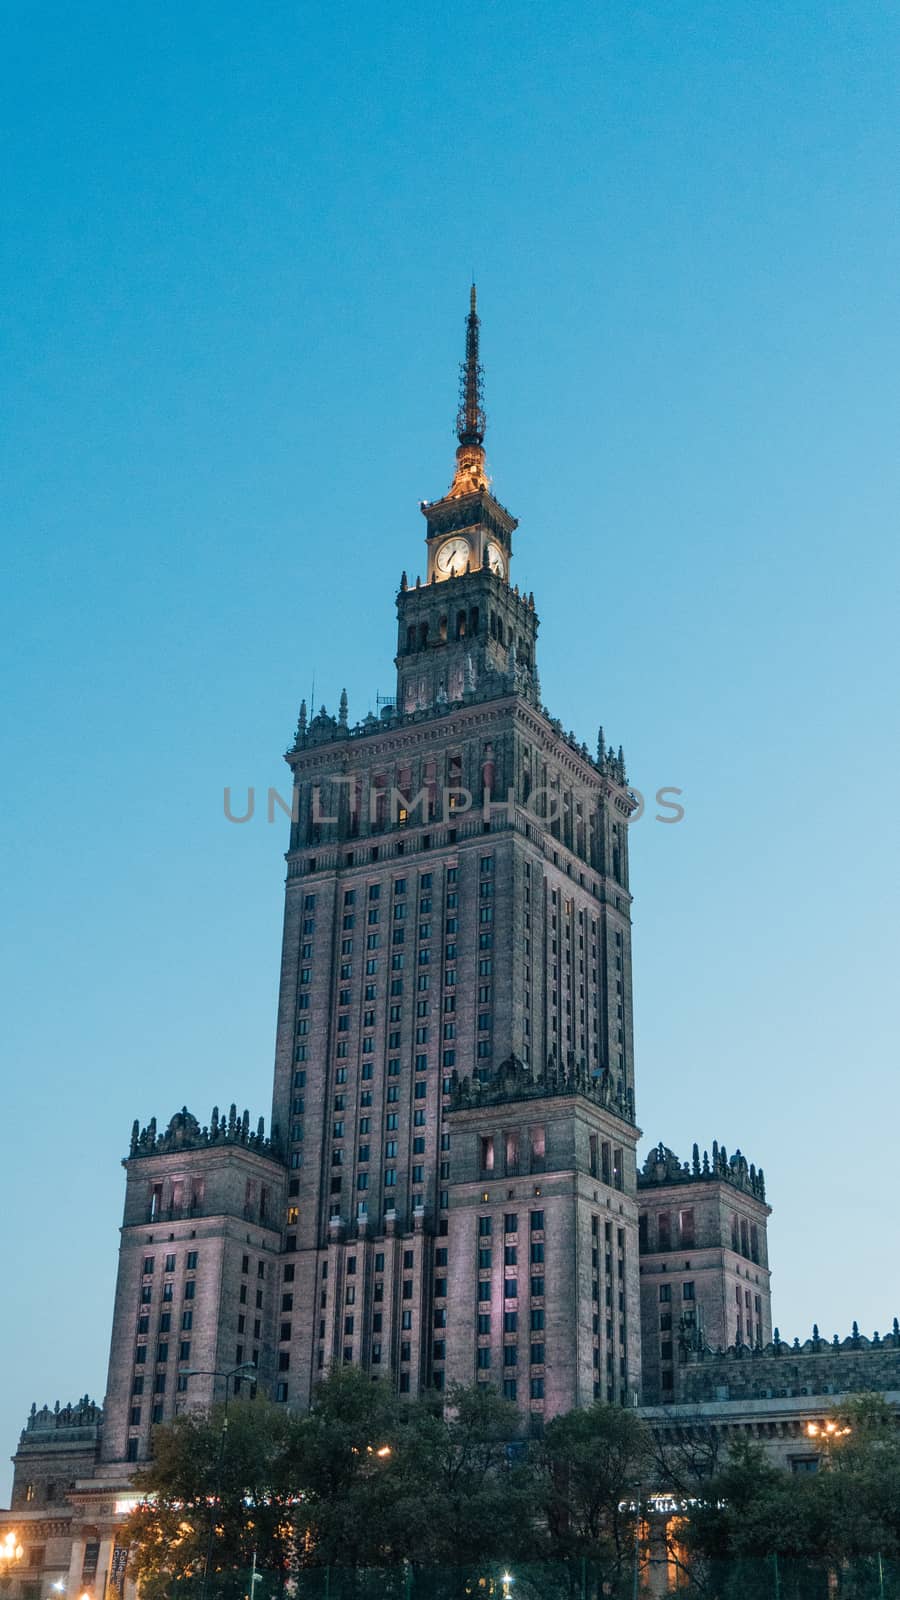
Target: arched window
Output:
[(460, 624), (473, 620), (442, 629), (423, 635)]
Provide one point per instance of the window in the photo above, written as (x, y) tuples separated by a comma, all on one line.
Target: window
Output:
[(538, 1149), (687, 1291), (665, 1293)]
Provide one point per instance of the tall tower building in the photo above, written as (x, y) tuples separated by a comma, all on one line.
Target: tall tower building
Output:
[(454, 1087)]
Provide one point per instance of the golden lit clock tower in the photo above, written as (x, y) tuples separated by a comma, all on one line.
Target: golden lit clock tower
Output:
[(467, 628)]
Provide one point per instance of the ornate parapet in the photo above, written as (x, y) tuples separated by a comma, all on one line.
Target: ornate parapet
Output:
[(694, 1350), (185, 1133), (323, 728), (813, 1366), (81, 1415), (663, 1167), (512, 1081)]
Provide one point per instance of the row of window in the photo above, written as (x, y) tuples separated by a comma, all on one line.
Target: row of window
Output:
[(168, 1291), (170, 1262)]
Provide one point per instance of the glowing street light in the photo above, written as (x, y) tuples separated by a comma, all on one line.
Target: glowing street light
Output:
[(10, 1550)]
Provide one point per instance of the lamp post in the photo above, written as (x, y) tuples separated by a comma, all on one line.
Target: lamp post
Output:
[(636, 1554), (245, 1369)]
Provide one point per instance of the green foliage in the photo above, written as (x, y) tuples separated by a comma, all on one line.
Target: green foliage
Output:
[(360, 1481), (371, 1495), (594, 1463), (463, 1497), (216, 1483), (348, 1512), (847, 1512)]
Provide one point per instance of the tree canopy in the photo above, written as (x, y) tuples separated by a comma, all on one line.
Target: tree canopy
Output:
[(366, 1480)]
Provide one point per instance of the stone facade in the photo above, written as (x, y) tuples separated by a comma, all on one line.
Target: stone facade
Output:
[(704, 1260), (198, 1275), (58, 1447)]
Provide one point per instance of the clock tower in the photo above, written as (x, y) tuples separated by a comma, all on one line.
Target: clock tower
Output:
[(466, 632)]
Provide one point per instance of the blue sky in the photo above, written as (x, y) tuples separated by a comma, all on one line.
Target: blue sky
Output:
[(235, 256)]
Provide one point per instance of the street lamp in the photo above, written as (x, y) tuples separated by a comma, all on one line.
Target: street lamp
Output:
[(244, 1369), (10, 1551)]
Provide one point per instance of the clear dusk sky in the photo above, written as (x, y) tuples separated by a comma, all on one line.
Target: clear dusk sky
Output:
[(236, 248)]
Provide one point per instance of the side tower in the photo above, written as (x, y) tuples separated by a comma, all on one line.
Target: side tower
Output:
[(456, 980), (705, 1277), (198, 1273)]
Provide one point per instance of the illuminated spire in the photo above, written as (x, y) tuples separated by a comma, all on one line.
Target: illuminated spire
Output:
[(471, 472)]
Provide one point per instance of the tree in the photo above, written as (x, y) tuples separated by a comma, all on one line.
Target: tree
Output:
[(686, 1453), (753, 1518), (859, 1485), (595, 1461), (343, 1458), (469, 1494), (215, 1489)]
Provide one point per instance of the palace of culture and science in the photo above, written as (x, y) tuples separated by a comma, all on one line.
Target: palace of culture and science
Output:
[(448, 1191)]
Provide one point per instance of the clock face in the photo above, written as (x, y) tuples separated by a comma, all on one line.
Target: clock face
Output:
[(450, 561), (495, 558)]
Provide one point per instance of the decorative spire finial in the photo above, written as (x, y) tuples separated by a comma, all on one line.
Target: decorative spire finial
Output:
[(470, 419), (471, 472)]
